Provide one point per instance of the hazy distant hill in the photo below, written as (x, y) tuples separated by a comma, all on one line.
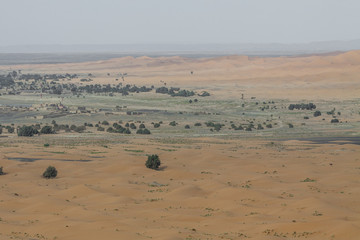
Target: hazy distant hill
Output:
[(23, 54), (173, 49)]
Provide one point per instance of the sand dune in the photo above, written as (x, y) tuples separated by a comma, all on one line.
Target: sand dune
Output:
[(256, 191), (300, 76)]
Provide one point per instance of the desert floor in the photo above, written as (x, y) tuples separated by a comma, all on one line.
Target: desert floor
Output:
[(205, 189)]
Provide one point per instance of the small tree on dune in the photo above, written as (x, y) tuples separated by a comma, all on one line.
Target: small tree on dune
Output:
[(153, 162), (50, 172)]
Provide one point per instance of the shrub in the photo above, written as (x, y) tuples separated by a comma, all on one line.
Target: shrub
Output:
[(269, 125), (204, 94), (331, 112), (142, 125), (0, 129), (132, 126), (183, 93), (80, 129), (47, 130), (187, 126), (334, 120), (317, 113), (302, 106), (248, 129), (27, 131), (10, 129), (173, 123), (156, 125), (1, 171), (197, 124), (291, 126), (101, 129), (153, 162), (105, 123), (306, 117), (143, 131), (46, 145), (50, 172)]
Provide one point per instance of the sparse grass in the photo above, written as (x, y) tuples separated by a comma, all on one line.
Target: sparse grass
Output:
[(308, 180), (133, 150), (95, 152), (57, 152), (316, 213)]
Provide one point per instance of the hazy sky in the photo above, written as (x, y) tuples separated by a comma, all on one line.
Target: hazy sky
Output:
[(180, 21)]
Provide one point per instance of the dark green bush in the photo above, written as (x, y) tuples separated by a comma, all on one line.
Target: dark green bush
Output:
[(204, 94), (197, 124), (1, 171), (80, 129), (331, 112), (302, 106), (334, 120), (317, 113), (143, 131), (50, 172), (27, 131), (46, 145), (101, 129), (105, 123), (142, 125), (153, 162), (10, 129), (173, 123), (47, 130), (187, 126)]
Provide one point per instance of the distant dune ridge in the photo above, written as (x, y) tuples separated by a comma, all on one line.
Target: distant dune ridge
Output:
[(331, 75), (264, 49)]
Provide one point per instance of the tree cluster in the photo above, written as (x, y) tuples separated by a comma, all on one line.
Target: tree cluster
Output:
[(302, 106)]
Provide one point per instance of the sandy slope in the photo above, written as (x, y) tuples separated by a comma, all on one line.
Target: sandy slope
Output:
[(326, 76), (208, 189)]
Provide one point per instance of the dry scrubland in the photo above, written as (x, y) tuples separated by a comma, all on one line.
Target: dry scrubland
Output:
[(271, 183)]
